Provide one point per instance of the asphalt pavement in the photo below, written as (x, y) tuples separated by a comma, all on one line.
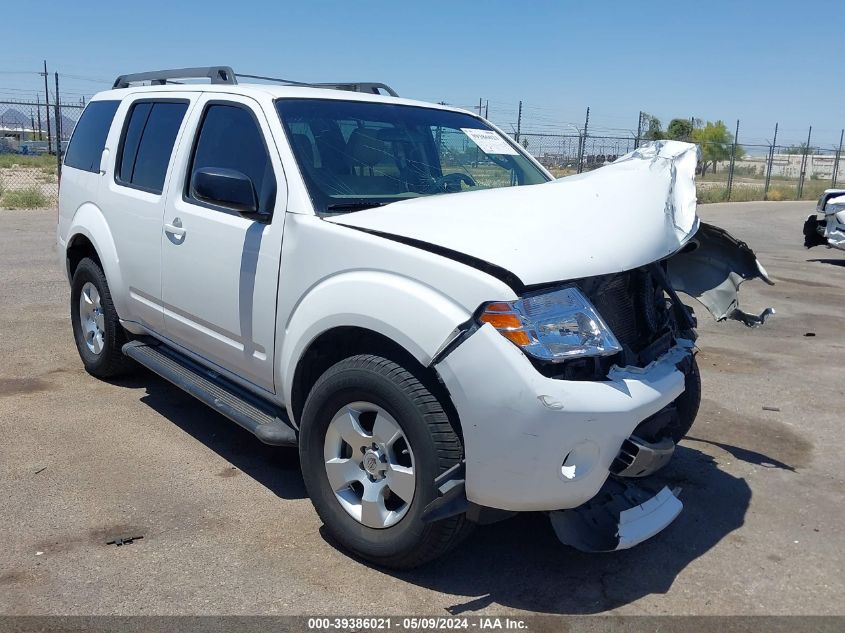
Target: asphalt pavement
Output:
[(227, 527)]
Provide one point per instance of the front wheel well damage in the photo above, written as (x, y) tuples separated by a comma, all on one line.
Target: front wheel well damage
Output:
[(340, 343)]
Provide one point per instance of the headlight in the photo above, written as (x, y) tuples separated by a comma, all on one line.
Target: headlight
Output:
[(554, 326)]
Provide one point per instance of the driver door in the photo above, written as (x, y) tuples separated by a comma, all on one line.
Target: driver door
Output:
[(220, 269)]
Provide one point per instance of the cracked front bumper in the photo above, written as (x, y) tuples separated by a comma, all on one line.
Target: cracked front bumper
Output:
[(537, 443), (622, 515)]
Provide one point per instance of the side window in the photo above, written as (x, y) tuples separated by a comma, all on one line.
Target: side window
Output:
[(230, 138), (147, 144), (89, 136)]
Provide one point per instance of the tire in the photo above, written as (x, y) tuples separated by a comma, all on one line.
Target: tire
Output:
[(106, 359), (432, 444), (687, 404)]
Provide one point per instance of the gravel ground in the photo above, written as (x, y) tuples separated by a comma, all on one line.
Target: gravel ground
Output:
[(227, 527)]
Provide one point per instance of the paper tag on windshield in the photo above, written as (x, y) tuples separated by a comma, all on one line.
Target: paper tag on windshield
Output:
[(489, 142)]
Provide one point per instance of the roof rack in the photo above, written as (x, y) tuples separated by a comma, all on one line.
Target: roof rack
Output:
[(225, 75), (217, 75)]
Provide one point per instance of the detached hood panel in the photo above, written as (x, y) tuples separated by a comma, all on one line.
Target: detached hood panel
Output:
[(630, 213)]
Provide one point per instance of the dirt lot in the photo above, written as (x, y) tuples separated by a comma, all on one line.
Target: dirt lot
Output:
[(227, 527)]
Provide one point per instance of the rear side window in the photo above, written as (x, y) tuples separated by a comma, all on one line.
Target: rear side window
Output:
[(147, 145), (231, 138), (89, 136)]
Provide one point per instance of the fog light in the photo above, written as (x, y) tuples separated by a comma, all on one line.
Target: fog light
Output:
[(579, 461)]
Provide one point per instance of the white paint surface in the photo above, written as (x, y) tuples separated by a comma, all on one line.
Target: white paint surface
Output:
[(630, 213)]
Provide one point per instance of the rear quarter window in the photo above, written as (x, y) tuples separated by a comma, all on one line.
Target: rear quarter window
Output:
[(89, 136), (148, 140)]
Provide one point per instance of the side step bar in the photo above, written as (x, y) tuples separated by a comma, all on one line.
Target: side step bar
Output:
[(269, 424)]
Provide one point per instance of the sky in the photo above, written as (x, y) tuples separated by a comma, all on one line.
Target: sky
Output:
[(760, 62)]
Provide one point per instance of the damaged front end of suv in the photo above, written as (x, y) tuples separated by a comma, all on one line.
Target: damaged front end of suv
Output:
[(572, 393)]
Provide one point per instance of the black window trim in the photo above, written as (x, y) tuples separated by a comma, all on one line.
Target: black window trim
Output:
[(120, 146), (188, 198), (95, 169)]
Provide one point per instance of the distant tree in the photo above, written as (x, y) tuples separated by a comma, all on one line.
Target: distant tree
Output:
[(715, 141), (679, 130), (525, 143), (652, 129), (799, 149)]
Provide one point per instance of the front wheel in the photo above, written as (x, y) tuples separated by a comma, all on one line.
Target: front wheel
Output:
[(372, 440)]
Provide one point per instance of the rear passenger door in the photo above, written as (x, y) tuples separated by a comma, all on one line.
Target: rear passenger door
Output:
[(220, 269), (133, 198)]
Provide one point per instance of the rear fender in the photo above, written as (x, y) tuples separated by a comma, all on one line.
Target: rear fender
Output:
[(90, 222), (711, 268)]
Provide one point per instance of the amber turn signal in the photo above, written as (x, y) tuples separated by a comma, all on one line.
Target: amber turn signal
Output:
[(502, 321)]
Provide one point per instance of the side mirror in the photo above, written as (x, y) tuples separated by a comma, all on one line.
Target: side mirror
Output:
[(228, 188)]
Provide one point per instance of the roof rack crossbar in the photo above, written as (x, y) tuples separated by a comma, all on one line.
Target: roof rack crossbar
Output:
[(225, 75), (217, 75)]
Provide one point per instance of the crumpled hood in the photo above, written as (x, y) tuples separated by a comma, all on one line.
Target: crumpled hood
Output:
[(637, 210)]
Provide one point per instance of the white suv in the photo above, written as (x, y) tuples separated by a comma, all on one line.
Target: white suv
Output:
[(397, 288)]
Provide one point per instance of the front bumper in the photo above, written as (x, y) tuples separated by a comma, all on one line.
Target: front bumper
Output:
[(537, 443)]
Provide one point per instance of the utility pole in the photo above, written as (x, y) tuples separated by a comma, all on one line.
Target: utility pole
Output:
[(733, 160), (479, 105), (38, 111), (58, 133), (519, 122), (582, 145), (836, 162), (771, 161), (47, 108), (487, 109), (804, 165)]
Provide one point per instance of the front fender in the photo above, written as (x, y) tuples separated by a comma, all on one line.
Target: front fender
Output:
[(711, 268), (90, 222), (412, 314)]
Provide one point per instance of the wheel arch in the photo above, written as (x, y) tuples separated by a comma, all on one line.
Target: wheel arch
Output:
[(339, 343), (386, 309), (78, 248), (90, 235)]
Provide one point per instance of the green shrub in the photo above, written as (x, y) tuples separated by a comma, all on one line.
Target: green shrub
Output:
[(777, 194), (28, 160), (711, 194), (29, 198)]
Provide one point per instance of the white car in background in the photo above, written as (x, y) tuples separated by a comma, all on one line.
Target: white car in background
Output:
[(827, 225), (447, 334)]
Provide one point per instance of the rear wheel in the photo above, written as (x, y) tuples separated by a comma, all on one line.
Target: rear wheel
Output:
[(372, 440), (96, 328)]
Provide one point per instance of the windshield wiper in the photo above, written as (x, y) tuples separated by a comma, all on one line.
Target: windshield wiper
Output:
[(352, 206)]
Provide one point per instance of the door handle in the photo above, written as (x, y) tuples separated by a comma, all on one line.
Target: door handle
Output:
[(175, 228)]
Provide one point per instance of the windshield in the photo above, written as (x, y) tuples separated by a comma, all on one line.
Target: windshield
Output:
[(356, 155)]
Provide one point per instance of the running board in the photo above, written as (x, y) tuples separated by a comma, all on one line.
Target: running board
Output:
[(269, 424)]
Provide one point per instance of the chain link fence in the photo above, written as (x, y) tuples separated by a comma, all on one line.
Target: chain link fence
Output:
[(31, 145), (727, 171)]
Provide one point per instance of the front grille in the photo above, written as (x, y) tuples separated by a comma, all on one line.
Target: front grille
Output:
[(632, 306), (615, 302)]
